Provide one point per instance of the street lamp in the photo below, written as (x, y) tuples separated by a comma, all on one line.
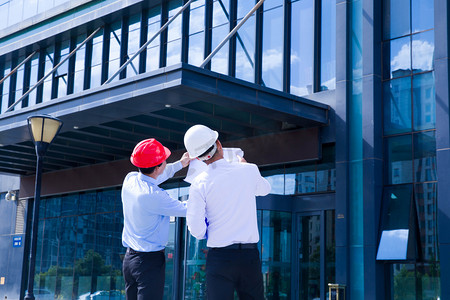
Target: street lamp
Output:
[(43, 130)]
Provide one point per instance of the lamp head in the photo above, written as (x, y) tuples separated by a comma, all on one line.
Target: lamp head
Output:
[(43, 130)]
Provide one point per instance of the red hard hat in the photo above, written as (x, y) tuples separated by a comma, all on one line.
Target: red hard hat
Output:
[(149, 153)]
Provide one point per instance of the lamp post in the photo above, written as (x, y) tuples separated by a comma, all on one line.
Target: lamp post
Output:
[(43, 130)]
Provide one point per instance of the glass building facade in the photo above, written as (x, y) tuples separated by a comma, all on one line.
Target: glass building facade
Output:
[(362, 212)]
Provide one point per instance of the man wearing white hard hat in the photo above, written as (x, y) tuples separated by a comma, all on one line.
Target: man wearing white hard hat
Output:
[(222, 209)]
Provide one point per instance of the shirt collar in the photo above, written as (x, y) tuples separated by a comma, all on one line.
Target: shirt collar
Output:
[(147, 178), (219, 162)]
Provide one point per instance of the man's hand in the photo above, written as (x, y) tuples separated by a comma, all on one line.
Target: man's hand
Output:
[(185, 159)]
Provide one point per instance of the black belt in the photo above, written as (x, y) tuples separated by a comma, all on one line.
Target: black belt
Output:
[(239, 246), (133, 252)]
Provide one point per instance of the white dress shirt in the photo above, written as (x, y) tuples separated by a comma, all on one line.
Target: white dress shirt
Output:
[(222, 203), (147, 209)]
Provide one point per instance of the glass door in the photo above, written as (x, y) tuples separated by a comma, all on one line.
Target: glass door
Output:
[(316, 254)]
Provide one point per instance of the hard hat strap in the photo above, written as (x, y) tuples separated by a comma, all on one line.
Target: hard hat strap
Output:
[(210, 154)]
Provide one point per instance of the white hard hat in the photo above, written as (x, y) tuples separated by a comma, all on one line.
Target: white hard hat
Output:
[(198, 139)]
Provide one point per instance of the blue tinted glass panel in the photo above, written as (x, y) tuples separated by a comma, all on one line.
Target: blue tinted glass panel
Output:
[(61, 74), (196, 48), (405, 281), (53, 207), (275, 238), (33, 79), (397, 106), (399, 166), (80, 59), (396, 18), (96, 63), (397, 58), (424, 101), (422, 15), (277, 182), (20, 73), (425, 195), (302, 47), (245, 50), (115, 39), (269, 4), (68, 242), (50, 244), (195, 284), (395, 224), (272, 62), (425, 156), (134, 37), (106, 200), (87, 203), (221, 12), (174, 34), (328, 46), (69, 205), (197, 33), (300, 180), (103, 252), (5, 86), (423, 52), (154, 24), (326, 171), (48, 66), (219, 63), (244, 7)]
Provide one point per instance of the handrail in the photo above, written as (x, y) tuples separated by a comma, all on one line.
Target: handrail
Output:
[(18, 66), (232, 32), (148, 42), (53, 70)]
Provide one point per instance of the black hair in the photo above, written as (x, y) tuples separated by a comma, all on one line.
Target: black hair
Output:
[(149, 170)]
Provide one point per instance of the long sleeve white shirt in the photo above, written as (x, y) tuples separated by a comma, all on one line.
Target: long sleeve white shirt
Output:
[(147, 209), (222, 203)]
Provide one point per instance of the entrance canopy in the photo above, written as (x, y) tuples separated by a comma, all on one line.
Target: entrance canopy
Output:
[(104, 124)]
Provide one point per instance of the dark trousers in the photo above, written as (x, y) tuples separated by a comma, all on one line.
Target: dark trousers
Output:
[(144, 274), (228, 270)]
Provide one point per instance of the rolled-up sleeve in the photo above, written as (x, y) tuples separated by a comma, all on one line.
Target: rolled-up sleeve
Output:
[(196, 212), (263, 186)]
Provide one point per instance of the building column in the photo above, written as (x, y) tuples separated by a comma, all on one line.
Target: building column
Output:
[(442, 68)]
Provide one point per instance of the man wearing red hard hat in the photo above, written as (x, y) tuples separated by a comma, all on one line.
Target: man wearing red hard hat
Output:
[(147, 209)]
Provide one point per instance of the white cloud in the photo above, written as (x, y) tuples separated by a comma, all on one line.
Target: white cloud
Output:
[(422, 56)]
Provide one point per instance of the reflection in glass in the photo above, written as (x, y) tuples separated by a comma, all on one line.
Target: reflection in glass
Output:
[(195, 285), (96, 60), (423, 52), (397, 106), (170, 252), (422, 15), (197, 33), (425, 156), (429, 281), (19, 78), (272, 61), (397, 237), (115, 38), (61, 74), (309, 257), (106, 200), (5, 86), (399, 160), (424, 101), (330, 244), (134, 37), (221, 27), (276, 254), (154, 24), (69, 205), (80, 57), (245, 47), (174, 34), (396, 15), (403, 281), (328, 46), (326, 171), (48, 66), (302, 47), (425, 195), (397, 58)]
